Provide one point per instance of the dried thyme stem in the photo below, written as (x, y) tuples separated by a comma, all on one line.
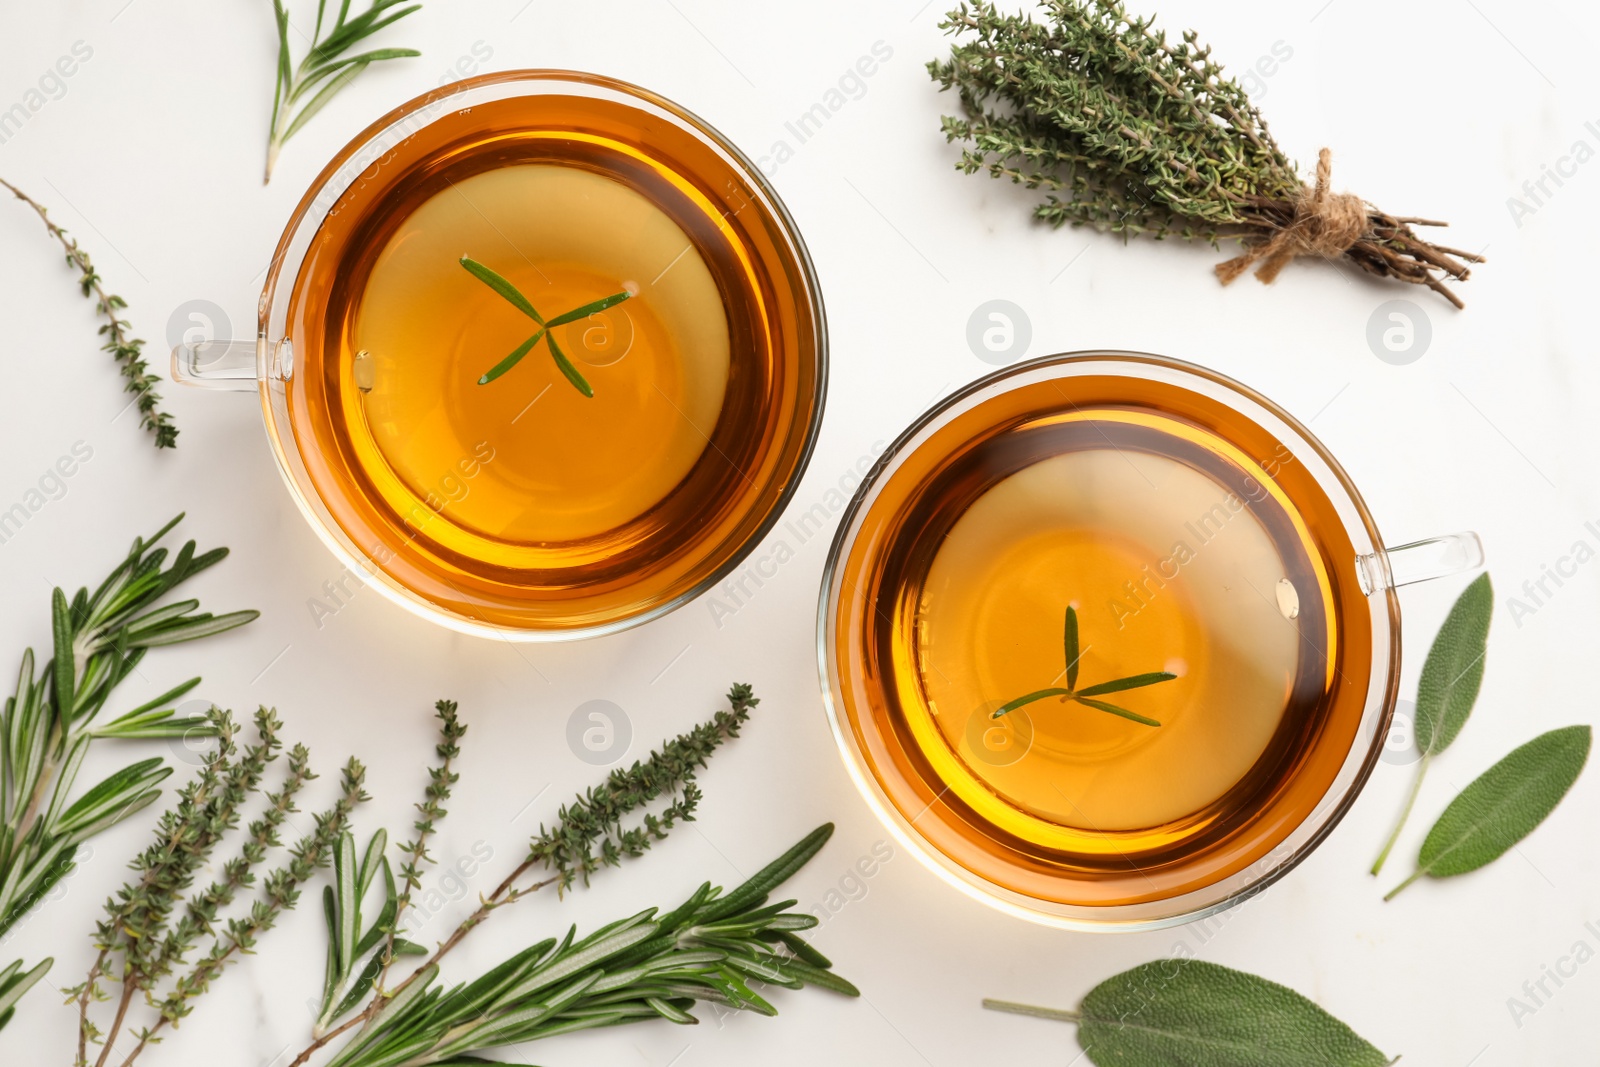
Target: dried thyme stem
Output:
[(281, 893)]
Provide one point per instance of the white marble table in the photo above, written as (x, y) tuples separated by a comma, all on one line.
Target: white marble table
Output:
[(151, 152)]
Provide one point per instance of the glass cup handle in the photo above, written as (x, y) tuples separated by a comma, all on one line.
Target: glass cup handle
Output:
[(1420, 561), (234, 365)]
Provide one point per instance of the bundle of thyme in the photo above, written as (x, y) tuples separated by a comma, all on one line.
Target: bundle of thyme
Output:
[(140, 944), (125, 348), (48, 724), (1131, 133), (710, 949)]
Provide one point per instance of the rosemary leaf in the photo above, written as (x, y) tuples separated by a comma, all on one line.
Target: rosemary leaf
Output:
[(588, 309), (571, 372), (510, 361), (494, 280), (1137, 681), (513, 296), (1069, 641), (1029, 698), (1113, 709), (14, 982)]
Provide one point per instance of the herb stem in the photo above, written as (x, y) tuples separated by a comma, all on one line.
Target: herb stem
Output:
[(116, 330), (129, 987), (1405, 813), (503, 894), (441, 780), (1391, 894), (1011, 1006)]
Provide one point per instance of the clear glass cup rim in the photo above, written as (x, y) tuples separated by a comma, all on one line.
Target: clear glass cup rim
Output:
[(271, 355), (1227, 892)]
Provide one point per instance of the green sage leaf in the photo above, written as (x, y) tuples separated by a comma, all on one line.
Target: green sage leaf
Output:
[(1453, 671), (1503, 805), (1190, 1013)]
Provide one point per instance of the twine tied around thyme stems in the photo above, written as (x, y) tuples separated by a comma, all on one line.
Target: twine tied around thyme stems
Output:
[(1334, 226), (1325, 224)]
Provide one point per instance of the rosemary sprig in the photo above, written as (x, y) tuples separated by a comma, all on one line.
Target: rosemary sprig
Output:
[(1131, 133), (589, 834), (344, 987), (325, 67), (139, 944), (515, 298), (120, 342), (48, 724), (1085, 695), (650, 965)]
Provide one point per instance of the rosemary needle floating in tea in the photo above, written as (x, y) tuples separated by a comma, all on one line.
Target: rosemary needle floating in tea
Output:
[(1086, 695), (514, 297)]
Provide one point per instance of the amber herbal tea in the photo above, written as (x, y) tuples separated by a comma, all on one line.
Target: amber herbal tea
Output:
[(571, 474), (1091, 643)]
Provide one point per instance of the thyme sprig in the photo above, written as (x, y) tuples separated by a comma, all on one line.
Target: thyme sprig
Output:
[(139, 944), (441, 780), (119, 340), (325, 67), (48, 723), (1086, 695), (1131, 133), (591, 832), (546, 329)]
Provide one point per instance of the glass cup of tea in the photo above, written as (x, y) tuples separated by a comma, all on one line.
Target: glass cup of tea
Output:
[(1110, 641), (540, 352)]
